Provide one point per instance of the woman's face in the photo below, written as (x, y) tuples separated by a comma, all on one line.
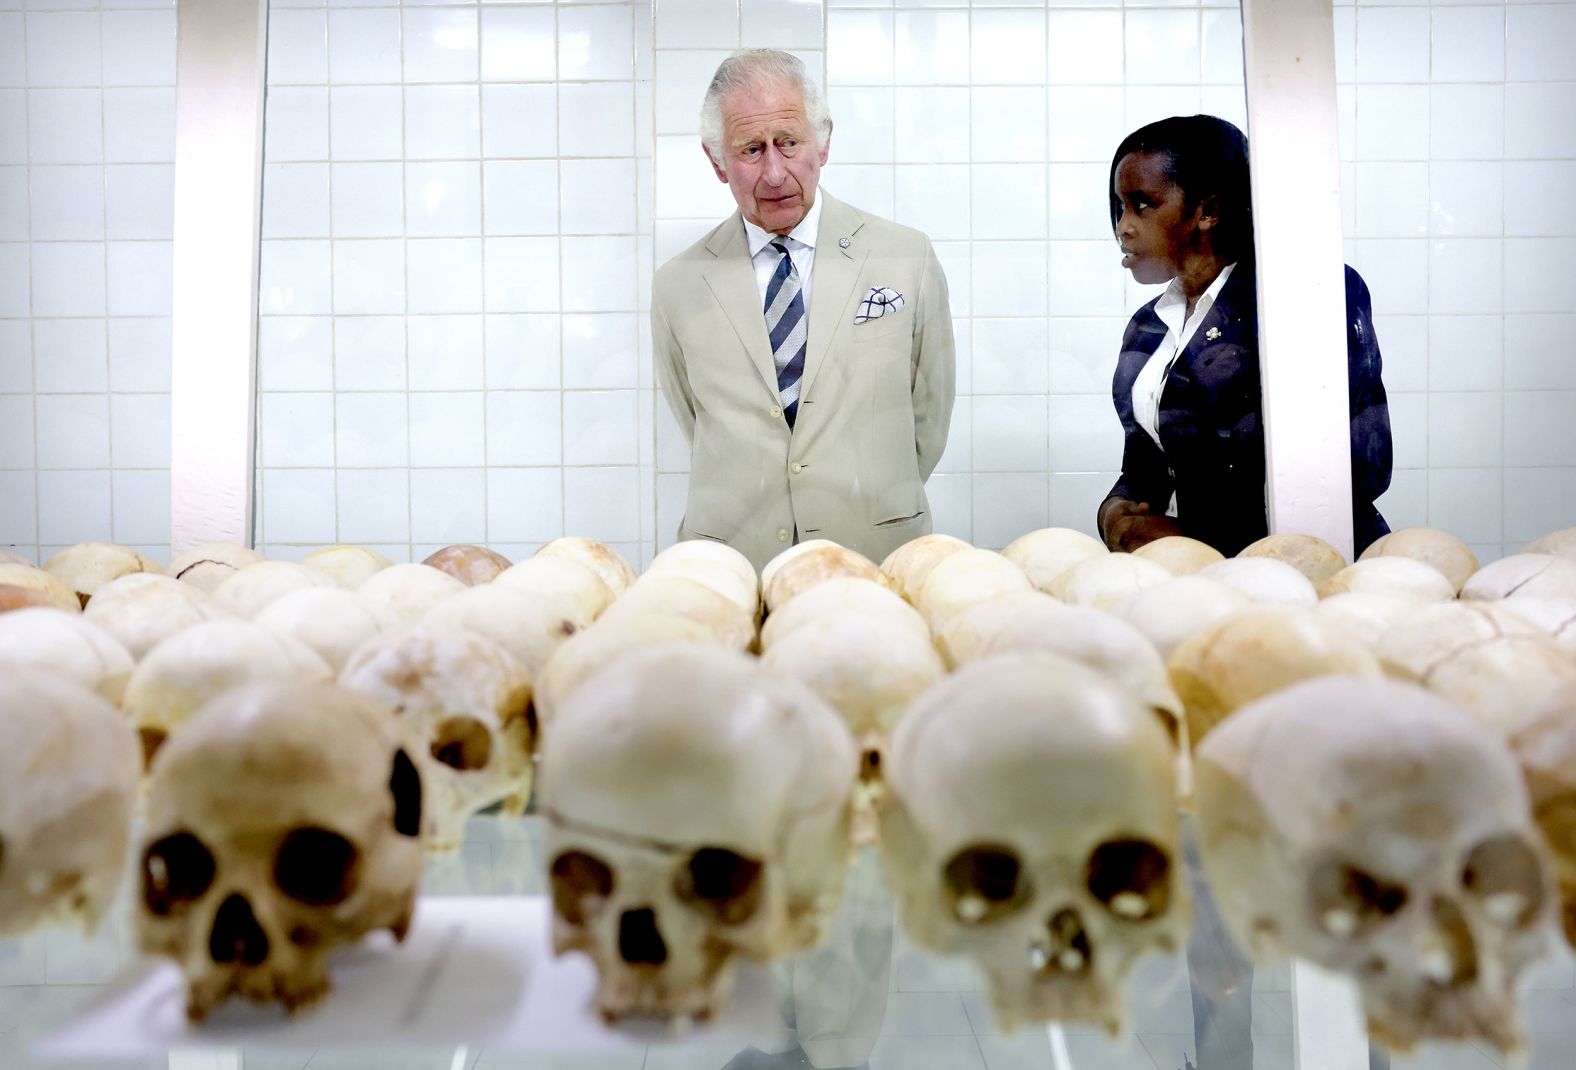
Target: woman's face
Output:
[(1155, 230)]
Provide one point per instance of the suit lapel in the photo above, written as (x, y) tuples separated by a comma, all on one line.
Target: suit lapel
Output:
[(732, 283), (1224, 319), (836, 275)]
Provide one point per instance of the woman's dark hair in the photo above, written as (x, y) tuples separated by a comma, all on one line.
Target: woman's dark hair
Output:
[(1204, 155)]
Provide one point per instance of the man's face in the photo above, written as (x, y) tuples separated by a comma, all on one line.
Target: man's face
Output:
[(769, 157)]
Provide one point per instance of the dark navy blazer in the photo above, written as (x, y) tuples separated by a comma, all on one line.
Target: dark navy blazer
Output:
[(1212, 426)]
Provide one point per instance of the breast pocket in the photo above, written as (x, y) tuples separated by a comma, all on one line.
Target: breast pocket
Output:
[(891, 328)]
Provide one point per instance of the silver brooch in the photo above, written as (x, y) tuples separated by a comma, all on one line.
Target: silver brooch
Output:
[(843, 243), (1212, 334)]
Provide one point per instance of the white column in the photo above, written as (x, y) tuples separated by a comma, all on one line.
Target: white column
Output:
[(1289, 60), (220, 51)]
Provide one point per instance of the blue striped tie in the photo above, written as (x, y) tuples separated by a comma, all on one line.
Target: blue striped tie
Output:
[(787, 329)]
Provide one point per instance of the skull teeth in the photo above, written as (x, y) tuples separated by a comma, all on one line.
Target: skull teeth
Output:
[(1071, 960), (1503, 908), (1038, 957), (972, 908), (1337, 922), (1129, 905), (1437, 966)]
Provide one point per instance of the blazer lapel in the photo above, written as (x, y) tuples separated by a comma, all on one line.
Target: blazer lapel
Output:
[(732, 283), (1224, 318), (836, 275)]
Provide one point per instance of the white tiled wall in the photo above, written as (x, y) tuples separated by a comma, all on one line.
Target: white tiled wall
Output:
[(87, 144), (456, 253), (1458, 132)]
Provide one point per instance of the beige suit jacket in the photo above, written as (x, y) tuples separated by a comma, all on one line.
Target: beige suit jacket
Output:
[(875, 399)]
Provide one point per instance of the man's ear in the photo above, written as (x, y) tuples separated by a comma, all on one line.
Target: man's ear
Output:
[(722, 176), (826, 145), (1209, 212)]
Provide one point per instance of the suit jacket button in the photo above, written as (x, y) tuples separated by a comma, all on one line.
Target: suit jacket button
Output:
[(776, 412), (782, 534), (796, 468)]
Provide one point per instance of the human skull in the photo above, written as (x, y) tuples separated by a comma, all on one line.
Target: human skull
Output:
[(210, 564), (14, 597), (844, 596), (248, 590), (1367, 616), (784, 578), (1047, 553), (471, 565), (469, 702), (715, 564), (1559, 543), (1452, 557), (1106, 582), (528, 625), (9, 556), (1556, 616), (1545, 745), (409, 592), (143, 609), (673, 595), (1257, 652), (347, 566), (36, 579), (1308, 554), (88, 566), (798, 549), (963, 579), (1522, 576), (67, 644), (68, 775), (587, 653), (1404, 577), (1379, 831), (1031, 824), (1266, 580), (199, 663), (1170, 613), (598, 557), (577, 588), (283, 823), (330, 621), (909, 564), (1179, 555), (682, 835)]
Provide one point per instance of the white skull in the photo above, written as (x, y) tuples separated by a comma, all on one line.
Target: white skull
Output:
[(143, 609), (1310, 555), (1106, 582), (769, 570), (1452, 557), (1170, 613), (14, 597), (1047, 553), (1545, 744), (1556, 616), (88, 566), (715, 564), (330, 621), (908, 565), (199, 663), (1379, 831), (785, 578), (673, 595), (347, 566), (68, 774), (844, 595), (528, 625), (283, 823), (1560, 543), (1523, 576), (210, 564), (1179, 555), (598, 557), (471, 565), (585, 654), (963, 579), (574, 586), (469, 702), (682, 834), (66, 644), (1266, 580), (36, 579), (1404, 577), (408, 592), (1031, 824), (248, 590), (1368, 617)]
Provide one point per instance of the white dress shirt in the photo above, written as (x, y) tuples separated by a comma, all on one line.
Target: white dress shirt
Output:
[(1151, 381), (801, 250)]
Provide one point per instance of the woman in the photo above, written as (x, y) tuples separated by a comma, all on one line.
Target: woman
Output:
[(1187, 381)]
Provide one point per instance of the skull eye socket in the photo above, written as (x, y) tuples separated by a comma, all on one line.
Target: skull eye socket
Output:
[(581, 884), (176, 870), (1505, 876), (1350, 902), (316, 867), (721, 883), (462, 743), (985, 884), (1132, 878), (405, 786)]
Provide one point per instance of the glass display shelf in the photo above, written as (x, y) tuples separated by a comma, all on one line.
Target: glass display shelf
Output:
[(868, 997)]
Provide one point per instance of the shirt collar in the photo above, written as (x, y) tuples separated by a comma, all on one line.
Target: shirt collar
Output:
[(804, 233), (1172, 306)]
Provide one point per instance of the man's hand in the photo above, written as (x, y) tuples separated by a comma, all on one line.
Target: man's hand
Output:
[(1129, 525)]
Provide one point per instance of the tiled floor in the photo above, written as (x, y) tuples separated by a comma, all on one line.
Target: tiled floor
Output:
[(936, 1018)]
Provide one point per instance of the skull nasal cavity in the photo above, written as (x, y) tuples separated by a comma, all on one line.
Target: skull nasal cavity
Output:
[(405, 786), (462, 743), (639, 942), (236, 934)]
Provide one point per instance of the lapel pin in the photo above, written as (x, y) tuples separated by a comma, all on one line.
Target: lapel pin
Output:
[(1212, 334), (843, 243)]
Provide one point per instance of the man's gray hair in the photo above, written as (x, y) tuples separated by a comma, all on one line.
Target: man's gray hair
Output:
[(754, 68)]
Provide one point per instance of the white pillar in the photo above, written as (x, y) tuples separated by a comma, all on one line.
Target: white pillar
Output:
[(220, 51)]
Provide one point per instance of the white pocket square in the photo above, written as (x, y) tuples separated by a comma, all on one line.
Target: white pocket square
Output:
[(877, 303)]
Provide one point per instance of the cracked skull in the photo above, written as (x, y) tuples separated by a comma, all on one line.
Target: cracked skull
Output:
[(684, 835), (1382, 832), (283, 822), (1031, 825)]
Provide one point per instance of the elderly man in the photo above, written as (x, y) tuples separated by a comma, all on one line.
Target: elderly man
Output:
[(804, 346)]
